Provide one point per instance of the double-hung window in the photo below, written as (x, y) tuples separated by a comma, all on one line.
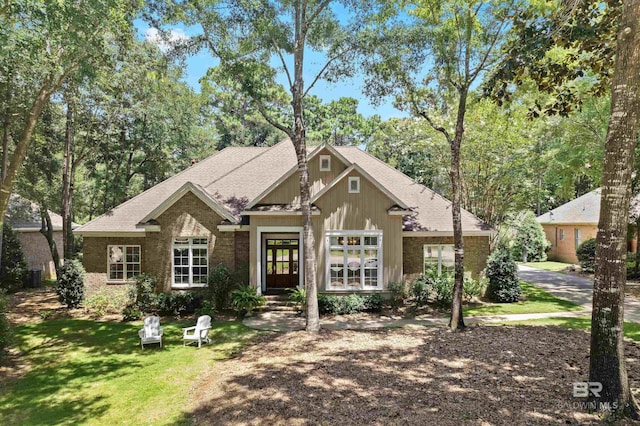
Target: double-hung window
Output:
[(354, 260), (190, 262), (123, 262), (439, 257)]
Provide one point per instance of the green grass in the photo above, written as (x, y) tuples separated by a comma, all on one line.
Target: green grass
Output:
[(549, 266), (631, 330), (537, 301), (95, 372)]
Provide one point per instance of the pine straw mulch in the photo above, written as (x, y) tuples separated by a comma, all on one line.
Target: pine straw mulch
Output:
[(487, 375)]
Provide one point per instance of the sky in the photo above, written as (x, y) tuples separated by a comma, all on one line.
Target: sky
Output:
[(197, 65)]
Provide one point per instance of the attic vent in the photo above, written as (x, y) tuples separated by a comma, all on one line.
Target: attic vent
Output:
[(325, 163), (354, 185)]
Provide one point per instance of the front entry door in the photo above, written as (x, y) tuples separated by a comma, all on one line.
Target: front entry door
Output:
[(282, 263)]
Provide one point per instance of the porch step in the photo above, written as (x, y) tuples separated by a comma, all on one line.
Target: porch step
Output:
[(277, 303)]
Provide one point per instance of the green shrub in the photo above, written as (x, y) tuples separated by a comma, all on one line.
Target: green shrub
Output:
[(586, 253), (222, 281), (373, 302), (502, 273), (328, 303), (349, 304), (70, 285), (6, 334), (143, 293), (107, 300), (473, 288), (398, 291), (420, 291), (245, 299), (131, 313), (298, 296), (206, 309), (442, 288), (13, 267), (529, 237), (178, 304)]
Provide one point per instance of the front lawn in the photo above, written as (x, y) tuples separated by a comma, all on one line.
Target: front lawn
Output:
[(536, 301), (93, 372), (549, 266), (631, 330)]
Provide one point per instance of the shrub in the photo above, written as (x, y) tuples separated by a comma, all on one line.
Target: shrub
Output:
[(442, 285), (502, 274), (131, 313), (70, 285), (398, 291), (206, 309), (420, 291), (222, 281), (530, 237), (13, 265), (473, 288), (143, 294), (175, 304), (298, 296), (586, 253), (349, 304), (245, 299), (107, 300), (5, 330), (328, 303), (373, 302)]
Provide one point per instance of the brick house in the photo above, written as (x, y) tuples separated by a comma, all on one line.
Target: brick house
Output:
[(567, 226), (372, 224)]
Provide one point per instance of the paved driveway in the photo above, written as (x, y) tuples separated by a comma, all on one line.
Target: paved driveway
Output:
[(575, 289)]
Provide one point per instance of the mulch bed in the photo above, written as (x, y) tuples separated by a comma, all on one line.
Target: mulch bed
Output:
[(487, 375)]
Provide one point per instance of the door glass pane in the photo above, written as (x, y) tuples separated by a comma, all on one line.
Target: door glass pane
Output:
[(370, 241)]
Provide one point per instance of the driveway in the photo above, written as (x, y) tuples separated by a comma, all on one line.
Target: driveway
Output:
[(575, 289)]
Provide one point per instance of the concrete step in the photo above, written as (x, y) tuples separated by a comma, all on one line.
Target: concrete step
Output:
[(277, 308)]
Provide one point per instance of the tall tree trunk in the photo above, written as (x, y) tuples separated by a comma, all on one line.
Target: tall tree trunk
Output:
[(456, 322), (607, 361), (299, 141), (5, 151), (67, 236), (47, 230)]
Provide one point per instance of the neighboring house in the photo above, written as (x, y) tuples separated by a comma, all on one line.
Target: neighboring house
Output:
[(24, 216), (372, 224), (567, 226)]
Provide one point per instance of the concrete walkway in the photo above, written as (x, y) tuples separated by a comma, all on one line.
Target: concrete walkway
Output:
[(574, 289)]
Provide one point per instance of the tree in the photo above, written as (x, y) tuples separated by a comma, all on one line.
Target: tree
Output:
[(607, 360), (247, 38), (456, 42)]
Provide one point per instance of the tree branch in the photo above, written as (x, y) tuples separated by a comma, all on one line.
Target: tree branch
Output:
[(324, 68), (316, 12), (284, 64), (271, 120)]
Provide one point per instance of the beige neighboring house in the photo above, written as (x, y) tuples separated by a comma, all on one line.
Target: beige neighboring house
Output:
[(567, 226), (24, 216), (372, 224)]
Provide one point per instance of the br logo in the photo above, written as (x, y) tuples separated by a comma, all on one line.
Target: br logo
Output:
[(584, 389)]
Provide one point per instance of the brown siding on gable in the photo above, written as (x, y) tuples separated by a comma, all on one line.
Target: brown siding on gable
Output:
[(565, 250), (476, 252), (289, 190)]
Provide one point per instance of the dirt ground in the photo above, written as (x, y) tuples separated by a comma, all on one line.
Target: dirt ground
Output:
[(487, 375)]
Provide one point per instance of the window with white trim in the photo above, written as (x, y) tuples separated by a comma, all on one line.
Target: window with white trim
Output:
[(190, 262), (440, 257), (354, 260), (123, 262), (325, 163), (354, 185)]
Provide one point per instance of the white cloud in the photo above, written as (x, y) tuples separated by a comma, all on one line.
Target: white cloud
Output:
[(166, 40)]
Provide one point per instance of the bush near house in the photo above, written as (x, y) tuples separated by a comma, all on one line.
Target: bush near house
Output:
[(502, 273), (223, 280), (349, 304), (586, 253), (70, 284), (144, 300), (530, 239), (13, 267), (245, 300), (437, 288)]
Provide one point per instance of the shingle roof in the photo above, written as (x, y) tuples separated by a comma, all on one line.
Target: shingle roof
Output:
[(584, 209), (236, 176), (23, 214)]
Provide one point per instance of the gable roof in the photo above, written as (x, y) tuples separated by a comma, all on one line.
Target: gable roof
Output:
[(236, 178), (582, 210), (24, 215)]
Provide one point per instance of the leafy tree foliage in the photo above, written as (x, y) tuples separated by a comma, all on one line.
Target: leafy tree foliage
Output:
[(13, 267), (586, 253), (70, 283), (529, 243), (502, 273)]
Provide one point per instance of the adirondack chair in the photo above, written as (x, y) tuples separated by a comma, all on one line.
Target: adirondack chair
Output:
[(151, 332), (197, 333)]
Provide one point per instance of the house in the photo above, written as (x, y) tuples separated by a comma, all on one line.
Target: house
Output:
[(372, 224), (567, 226), (24, 217)]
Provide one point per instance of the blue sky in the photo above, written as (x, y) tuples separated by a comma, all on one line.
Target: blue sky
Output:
[(197, 65)]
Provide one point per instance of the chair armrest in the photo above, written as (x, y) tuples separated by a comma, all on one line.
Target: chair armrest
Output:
[(160, 331), (141, 333), (189, 328)]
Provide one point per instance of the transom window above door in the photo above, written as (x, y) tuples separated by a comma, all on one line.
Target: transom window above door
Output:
[(190, 262), (354, 260)]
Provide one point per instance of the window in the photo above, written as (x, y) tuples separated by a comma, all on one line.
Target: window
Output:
[(190, 262), (325, 163), (578, 236), (440, 257), (354, 260), (123, 262), (354, 185), (561, 234)]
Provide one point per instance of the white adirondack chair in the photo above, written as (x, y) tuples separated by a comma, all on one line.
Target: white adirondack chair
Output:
[(197, 333), (151, 332)]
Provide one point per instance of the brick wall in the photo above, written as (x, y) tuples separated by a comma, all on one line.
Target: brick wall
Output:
[(476, 252), (565, 250), (38, 254)]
